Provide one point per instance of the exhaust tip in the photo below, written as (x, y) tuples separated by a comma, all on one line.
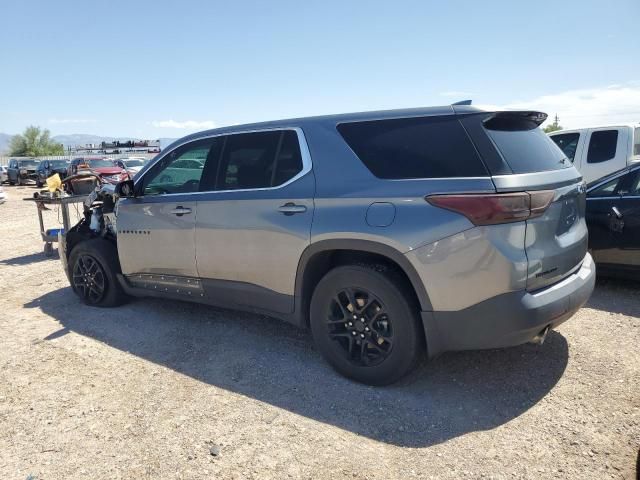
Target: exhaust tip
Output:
[(540, 337)]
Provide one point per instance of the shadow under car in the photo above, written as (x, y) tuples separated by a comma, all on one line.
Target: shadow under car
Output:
[(274, 362)]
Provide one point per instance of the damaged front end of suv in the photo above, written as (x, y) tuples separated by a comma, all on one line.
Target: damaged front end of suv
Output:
[(98, 221)]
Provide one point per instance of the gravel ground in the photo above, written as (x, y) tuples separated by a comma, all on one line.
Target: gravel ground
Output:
[(151, 389)]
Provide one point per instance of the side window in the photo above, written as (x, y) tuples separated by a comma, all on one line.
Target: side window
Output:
[(421, 147), (259, 160), (609, 189), (180, 171), (568, 143), (602, 146), (636, 141), (289, 160), (634, 189)]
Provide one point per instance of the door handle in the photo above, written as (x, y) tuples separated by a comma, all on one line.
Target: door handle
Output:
[(616, 212), (179, 211), (290, 208)]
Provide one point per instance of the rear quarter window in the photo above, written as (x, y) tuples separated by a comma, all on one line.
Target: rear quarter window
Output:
[(422, 147)]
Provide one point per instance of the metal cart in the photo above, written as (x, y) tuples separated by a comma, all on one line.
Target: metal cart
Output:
[(51, 235)]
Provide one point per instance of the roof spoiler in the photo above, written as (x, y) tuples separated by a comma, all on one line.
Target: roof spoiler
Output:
[(515, 120)]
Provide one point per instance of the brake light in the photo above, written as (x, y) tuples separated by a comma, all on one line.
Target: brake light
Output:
[(493, 208)]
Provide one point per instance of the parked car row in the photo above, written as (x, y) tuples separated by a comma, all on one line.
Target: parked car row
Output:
[(21, 171)]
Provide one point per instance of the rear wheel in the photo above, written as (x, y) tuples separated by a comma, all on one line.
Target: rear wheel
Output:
[(364, 325), (94, 266), (19, 181)]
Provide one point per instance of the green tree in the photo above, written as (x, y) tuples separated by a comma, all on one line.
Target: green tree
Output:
[(34, 142), (554, 127)]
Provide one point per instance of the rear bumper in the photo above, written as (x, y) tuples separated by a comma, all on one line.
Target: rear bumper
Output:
[(509, 319)]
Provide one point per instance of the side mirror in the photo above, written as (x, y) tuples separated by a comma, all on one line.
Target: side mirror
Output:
[(125, 189)]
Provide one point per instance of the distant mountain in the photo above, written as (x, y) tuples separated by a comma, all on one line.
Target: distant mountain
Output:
[(78, 139)]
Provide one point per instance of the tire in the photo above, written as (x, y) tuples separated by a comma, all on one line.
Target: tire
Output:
[(97, 258), (387, 345), (19, 181), (39, 183)]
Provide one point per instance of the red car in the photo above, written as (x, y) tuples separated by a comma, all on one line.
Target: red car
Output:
[(105, 168)]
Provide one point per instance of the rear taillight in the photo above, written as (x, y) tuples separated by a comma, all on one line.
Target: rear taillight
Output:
[(493, 208)]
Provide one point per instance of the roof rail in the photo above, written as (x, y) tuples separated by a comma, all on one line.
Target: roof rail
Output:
[(462, 102)]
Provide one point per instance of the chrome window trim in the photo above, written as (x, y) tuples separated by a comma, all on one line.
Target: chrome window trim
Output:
[(304, 153), (423, 179), (605, 198), (533, 180)]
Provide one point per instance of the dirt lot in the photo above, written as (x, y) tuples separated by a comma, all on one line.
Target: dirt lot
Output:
[(148, 389)]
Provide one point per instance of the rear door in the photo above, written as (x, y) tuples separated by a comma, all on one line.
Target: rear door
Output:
[(521, 157), (606, 152), (254, 219)]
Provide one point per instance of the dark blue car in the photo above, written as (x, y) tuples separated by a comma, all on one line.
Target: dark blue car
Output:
[(46, 168), (613, 219)]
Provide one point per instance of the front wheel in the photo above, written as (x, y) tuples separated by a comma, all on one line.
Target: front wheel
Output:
[(364, 324), (94, 266)]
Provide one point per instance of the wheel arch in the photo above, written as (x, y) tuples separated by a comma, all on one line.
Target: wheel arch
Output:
[(320, 257)]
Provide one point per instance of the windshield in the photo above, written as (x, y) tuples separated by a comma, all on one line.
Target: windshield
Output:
[(58, 163), (100, 163), (28, 164), (133, 163)]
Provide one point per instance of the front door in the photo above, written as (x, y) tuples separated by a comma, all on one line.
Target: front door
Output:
[(613, 218), (156, 230), (627, 236), (254, 221)]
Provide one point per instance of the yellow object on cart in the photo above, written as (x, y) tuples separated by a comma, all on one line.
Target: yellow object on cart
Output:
[(54, 183)]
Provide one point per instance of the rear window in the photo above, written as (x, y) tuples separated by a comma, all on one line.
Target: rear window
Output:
[(423, 147), (525, 149), (602, 146), (568, 143)]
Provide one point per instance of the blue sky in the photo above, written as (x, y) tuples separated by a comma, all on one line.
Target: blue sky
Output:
[(163, 69)]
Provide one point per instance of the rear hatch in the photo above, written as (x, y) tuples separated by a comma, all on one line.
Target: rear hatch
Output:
[(522, 158)]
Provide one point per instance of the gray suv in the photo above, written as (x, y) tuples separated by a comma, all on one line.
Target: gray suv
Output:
[(389, 234)]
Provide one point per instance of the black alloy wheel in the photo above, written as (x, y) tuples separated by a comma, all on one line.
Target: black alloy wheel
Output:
[(89, 279), (359, 322)]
